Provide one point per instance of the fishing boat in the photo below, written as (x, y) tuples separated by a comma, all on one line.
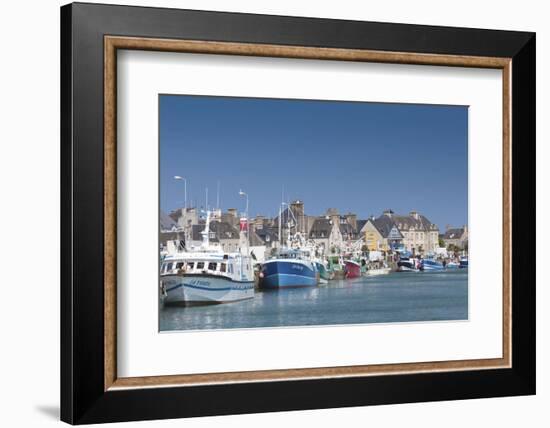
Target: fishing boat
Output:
[(352, 269), (325, 274), (406, 264), (290, 268), (294, 264), (429, 265), (378, 271), (463, 262), (206, 274)]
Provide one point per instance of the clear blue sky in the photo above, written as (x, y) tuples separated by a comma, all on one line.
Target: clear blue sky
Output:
[(358, 157)]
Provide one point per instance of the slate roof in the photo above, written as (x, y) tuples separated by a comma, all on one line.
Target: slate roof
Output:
[(255, 240), (455, 233), (221, 230), (286, 216), (166, 222), (175, 215), (171, 236), (407, 222), (360, 225), (347, 231), (321, 228), (384, 225), (267, 234)]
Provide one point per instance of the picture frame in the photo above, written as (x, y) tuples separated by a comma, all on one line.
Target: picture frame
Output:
[(91, 391)]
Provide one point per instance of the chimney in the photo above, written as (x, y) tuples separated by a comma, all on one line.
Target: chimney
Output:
[(332, 213), (352, 219), (297, 208), (388, 213), (447, 227), (414, 215)]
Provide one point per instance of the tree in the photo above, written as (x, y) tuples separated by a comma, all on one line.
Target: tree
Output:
[(441, 242)]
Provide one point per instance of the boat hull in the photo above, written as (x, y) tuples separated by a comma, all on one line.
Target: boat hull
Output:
[(375, 272), (353, 270), (204, 289), (430, 266), (406, 265), (324, 274), (288, 273)]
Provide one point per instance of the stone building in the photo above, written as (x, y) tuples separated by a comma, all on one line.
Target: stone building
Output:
[(325, 232), (456, 236), (420, 235), (185, 217), (221, 233)]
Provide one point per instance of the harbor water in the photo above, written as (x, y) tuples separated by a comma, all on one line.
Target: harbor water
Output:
[(396, 297)]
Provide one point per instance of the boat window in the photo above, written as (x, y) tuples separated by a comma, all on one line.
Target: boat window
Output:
[(190, 265), (169, 266), (223, 267), (179, 265), (163, 268), (212, 266), (200, 265)]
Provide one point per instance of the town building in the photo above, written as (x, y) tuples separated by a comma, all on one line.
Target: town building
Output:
[(221, 233), (381, 234), (332, 231), (325, 233), (419, 235), (455, 236)]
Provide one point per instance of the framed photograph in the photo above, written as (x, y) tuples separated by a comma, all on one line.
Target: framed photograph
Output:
[(266, 213)]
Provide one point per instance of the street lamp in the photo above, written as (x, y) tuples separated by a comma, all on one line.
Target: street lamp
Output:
[(177, 177), (241, 193)]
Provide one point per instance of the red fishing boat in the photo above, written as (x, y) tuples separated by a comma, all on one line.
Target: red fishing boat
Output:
[(352, 268)]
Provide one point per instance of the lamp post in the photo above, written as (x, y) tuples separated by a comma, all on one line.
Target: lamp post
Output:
[(177, 177)]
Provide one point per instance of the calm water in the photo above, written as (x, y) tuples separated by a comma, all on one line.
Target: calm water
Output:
[(397, 297)]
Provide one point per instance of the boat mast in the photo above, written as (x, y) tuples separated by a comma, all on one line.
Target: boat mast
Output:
[(280, 214), (206, 232)]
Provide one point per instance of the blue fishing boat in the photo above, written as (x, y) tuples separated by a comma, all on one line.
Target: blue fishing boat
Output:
[(290, 268), (428, 265), (463, 263)]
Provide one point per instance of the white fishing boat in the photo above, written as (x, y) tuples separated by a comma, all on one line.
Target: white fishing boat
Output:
[(207, 274), (378, 271)]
